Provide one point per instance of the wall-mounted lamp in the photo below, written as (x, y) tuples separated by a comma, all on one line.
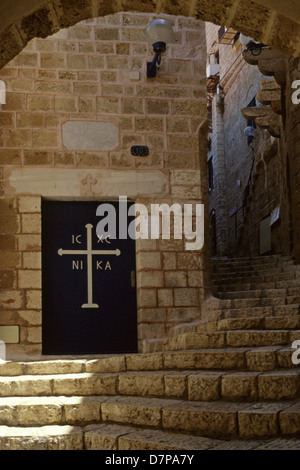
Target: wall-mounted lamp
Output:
[(249, 131), (252, 46), (158, 34)]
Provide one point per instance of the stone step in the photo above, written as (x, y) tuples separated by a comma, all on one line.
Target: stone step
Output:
[(235, 285), (189, 385), (242, 268), (243, 323), (102, 364), (253, 294), (194, 327), (239, 358), (218, 419), (231, 338), (117, 437), (268, 323), (293, 299), (155, 439), (265, 298), (43, 411), (259, 338), (245, 286), (266, 358), (251, 302), (246, 261), (253, 276), (41, 438), (289, 279), (261, 268), (251, 337), (268, 311), (82, 384), (120, 437)]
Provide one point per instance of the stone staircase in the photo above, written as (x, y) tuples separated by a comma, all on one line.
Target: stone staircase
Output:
[(225, 382)]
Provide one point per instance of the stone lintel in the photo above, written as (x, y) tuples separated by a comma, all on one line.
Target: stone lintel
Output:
[(54, 182), (256, 111), (270, 63)]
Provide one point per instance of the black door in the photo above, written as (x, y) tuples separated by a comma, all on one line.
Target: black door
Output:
[(88, 282)]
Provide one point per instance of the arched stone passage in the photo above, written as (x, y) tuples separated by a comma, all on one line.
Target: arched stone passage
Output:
[(267, 21)]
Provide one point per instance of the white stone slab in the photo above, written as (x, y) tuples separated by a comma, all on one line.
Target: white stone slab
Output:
[(86, 135), (9, 334), (56, 182)]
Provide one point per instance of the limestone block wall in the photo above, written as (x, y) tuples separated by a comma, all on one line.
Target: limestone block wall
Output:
[(292, 149), (271, 22), (75, 104), (233, 158)]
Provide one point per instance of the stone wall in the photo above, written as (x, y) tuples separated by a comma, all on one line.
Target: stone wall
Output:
[(240, 209), (292, 149), (267, 21), (90, 80)]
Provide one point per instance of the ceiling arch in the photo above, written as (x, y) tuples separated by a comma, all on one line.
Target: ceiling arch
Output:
[(267, 21)]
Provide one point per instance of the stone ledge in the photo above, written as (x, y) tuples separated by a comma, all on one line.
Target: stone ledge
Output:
[(118, 437)]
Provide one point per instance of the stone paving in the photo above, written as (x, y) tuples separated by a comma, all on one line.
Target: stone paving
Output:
[(228, 383)]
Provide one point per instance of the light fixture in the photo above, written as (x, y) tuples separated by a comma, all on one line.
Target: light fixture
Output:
[(158, 34), (252, 46), (249, 131)]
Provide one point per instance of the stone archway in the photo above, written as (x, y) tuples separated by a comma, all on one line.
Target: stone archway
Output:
[(277, 26)]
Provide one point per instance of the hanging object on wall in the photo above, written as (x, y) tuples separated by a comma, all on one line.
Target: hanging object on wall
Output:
[(158, 34), (139, 151)]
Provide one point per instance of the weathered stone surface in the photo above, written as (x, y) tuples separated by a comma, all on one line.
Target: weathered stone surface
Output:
[(204, 386), (103, 436), (69, 182), (41, 438), (261, 359), (78, 411), (90, 135), (158, 440), (106, 364), (9, 368), (175, 385), (132, 410), (179, 287), (206, 359), (41, 411), (260, 420), (278, 385), (256, 338), (143, 384), (25, 386), (144, 362), (289, 420), (280, 444), (57, 366), (84, 384), (212, 420), (239, 386)]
